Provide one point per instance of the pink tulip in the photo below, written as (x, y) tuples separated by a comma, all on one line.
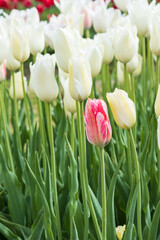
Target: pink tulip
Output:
[(98, 128)]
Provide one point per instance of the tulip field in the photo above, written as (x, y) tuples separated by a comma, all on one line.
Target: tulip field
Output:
[(80, 120)]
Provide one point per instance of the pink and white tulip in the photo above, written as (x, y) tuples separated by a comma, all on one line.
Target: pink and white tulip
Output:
[(98, 128), (3, 72)]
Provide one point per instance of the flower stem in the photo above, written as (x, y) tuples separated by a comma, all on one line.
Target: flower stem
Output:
[(157, 73), (25, 102), (16, 113), (87, 33), (53, 168), (103, 81), (108, 78), (82, 169), (72, 133), (4, 120), (86, 175), (143, 69), (136, 163), (103, 190)]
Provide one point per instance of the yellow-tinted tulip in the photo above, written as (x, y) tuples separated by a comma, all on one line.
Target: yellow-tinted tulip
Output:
[(120, 231), (123, 108)]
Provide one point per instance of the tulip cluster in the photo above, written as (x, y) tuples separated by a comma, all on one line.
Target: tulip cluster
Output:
[(80, 121)]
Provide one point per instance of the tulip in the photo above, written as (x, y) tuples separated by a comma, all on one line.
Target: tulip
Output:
[(69, 102), (76, 21), (133, 64), (98, 128), (80, 80), (4, 42), (120, 231), (94, 51), (123, 108), (120, 72), (43, 78), (64, 44), (122, 4), (155, 35), (36, 38), (19, 44), (139, 13), (87, 17), (11, 63), (125, 43), (3, 72), (106, 40), (18, 86), (139, 67), (158, 133), (99, 19), (157, 103)]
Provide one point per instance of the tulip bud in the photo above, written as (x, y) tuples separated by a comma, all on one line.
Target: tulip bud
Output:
[(19, 44), (99, 19), (69, 102), (139, 67), (43, 78), (123, 108), (80, 80), (36, 38), (158, 133), (125, 43), (157, 103), (3, 72), (18, 86), (98, 128), (11, 63), (64, 47), (120, 231), (106, 41), (133, 64)]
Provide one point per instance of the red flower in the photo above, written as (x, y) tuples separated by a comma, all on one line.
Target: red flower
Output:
[(40, 8), (27, 3)]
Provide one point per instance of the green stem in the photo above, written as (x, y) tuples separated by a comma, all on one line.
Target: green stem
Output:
[(87, 33), (104, 81), (82, 169), (108, 78), (4, 120), (42, 133), (103, 191), (129, 160), (134, 100), (16, 113), (92, 92), (26, 102), (72, 133), (83, 140), (53, 169), (125, 78), (136, 163), (143, 69), (157, 73)]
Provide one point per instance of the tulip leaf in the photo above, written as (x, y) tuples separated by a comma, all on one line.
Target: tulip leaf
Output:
[(155, 222), (8, 233)]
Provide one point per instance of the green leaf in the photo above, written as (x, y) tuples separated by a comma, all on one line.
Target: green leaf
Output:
[(37, 227), (155, 222), (8, 233)]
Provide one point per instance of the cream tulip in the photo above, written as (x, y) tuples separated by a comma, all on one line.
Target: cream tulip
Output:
[(43, 78), (36, 37), (69, 102), (80, 80), (157, 103), (139, 13), (106, 40), (123, 108), (4, 41), (158, 133), (139, 67), (11, 63), (99, 19), (19, 44), (64, 44), (133, 64), (18, 86), (155, 35), (125, 43)]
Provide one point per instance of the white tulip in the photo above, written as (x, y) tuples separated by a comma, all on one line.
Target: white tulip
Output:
[(106, 40), (122, 4), (139, 13), (4, 41), (99, 19), (157, 103), (19, 44), (80, 80), (18, 86), (43, 79), (11, 63), (69, 102), (123, 108), (133, 64), (158, 133), (139, 67), (3, 72), (125, 43), (120, 74), (155, 35), (36, 37), (64, 44)]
